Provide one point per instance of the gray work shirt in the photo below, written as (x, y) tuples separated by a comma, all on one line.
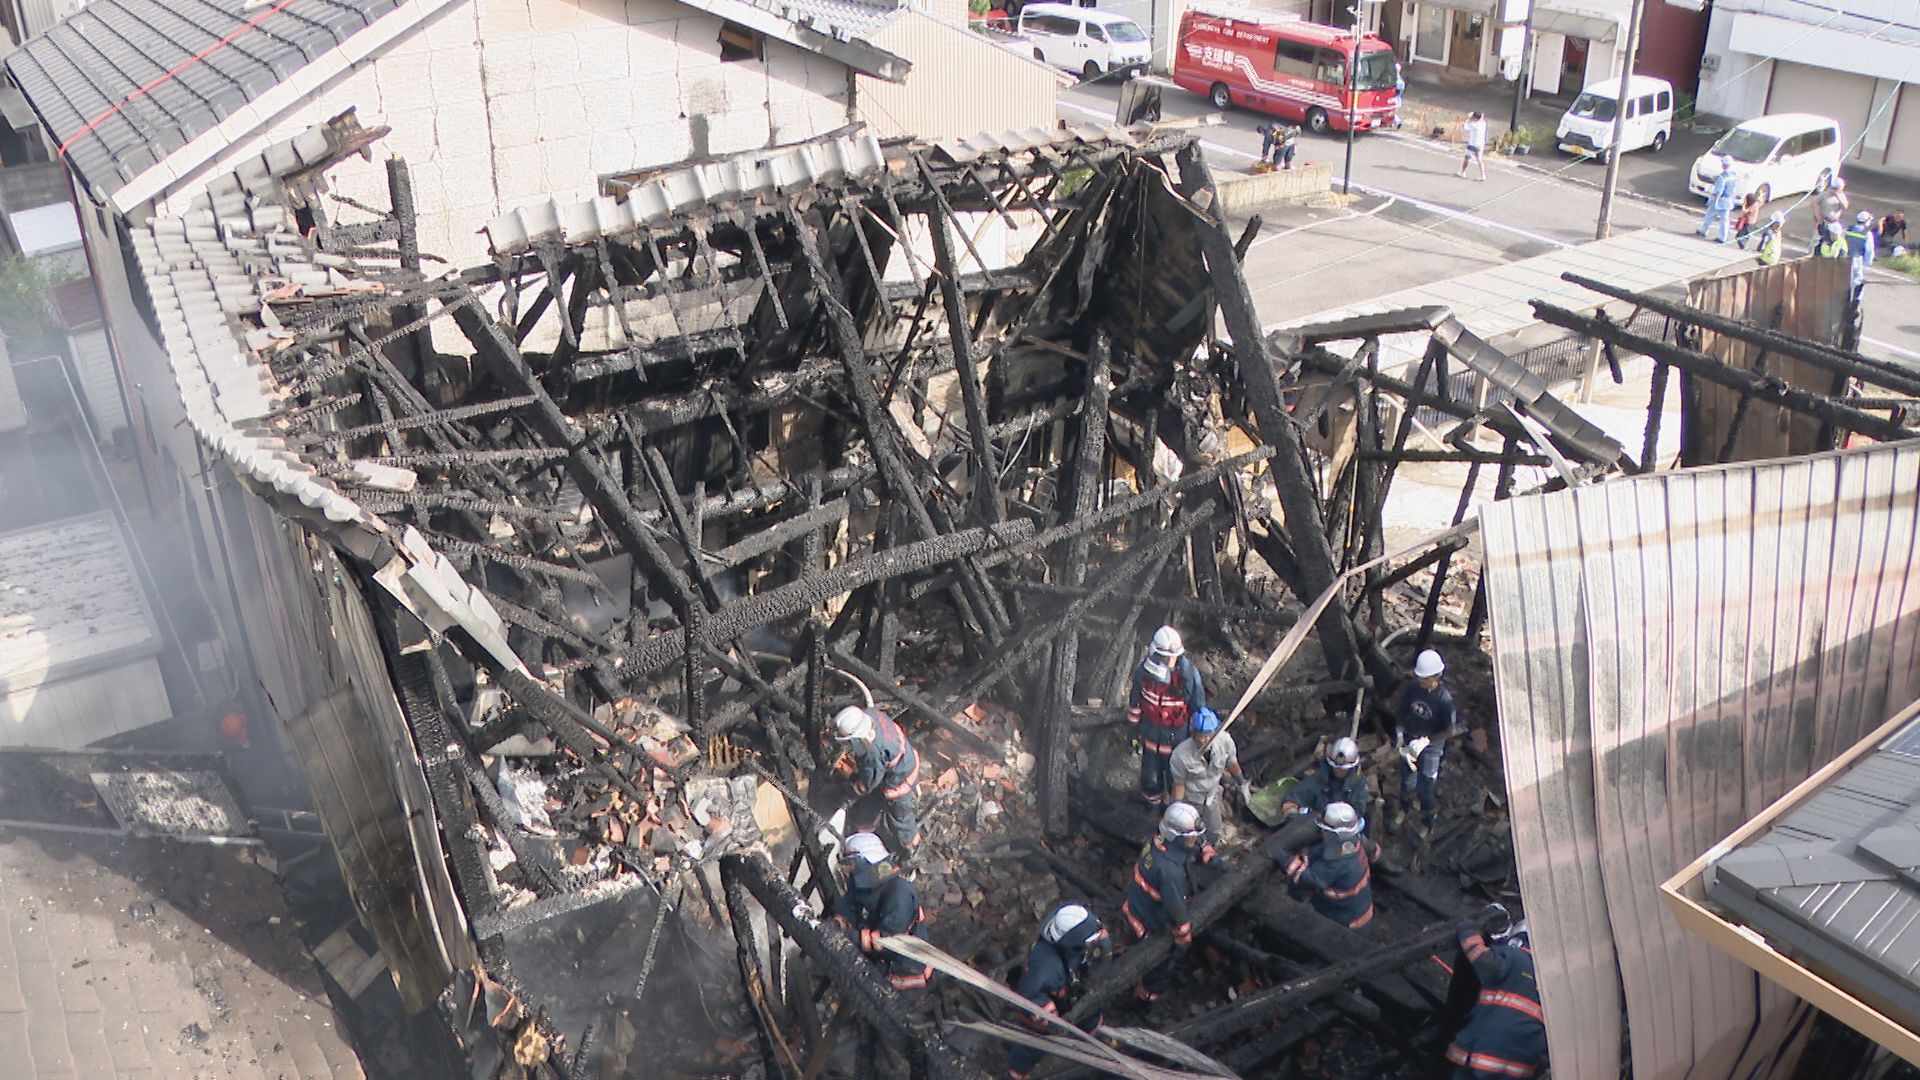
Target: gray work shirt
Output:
[(1200, 771)]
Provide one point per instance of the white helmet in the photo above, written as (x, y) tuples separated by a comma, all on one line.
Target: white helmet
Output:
[(1166, 642), (1345, 754), (1427, 664), (1341, 820), (853, 722), (866, 847), (1181, 820), (1064, 922)]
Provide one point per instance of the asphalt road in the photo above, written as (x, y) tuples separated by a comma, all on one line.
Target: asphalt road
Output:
[(1423, 223)]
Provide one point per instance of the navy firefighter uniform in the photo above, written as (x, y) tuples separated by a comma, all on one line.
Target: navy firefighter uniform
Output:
[(1336, 874), (877, 903), (1167, 692), (1506, 1035), (1157, 894), (885, 766), (1056, 968)]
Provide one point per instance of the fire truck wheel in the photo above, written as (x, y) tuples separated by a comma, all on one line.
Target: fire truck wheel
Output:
[(1222, 97), (1317, 121)]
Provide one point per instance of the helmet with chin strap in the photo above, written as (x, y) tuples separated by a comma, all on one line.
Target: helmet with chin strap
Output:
[(1345, 754), (1180, 822), (1166, 642), (853, 722), (1342, 821)]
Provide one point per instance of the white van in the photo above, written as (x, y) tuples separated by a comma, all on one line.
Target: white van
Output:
[(1773, 156), (1084, 40), (1587, 127)]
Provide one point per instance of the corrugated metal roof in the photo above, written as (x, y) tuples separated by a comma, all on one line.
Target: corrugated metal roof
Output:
[(1671, 653), (1496, 301), (123, 83), (843, 19)]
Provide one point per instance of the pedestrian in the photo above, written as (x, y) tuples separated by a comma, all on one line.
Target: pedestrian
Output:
[(880, 902), (1860, 248), (1720, 201), (1156, 900), (1200, 767), (1289, 143), (1830, 207), (1057, 965), (1771, 237), (881, 766), (1506, 1034), (1337, 778), (1167, 692), (1269, 139), (1426, 717), (1748, 220), (1475, 130), (1893, 233), (1830, 242), (1335, 875)]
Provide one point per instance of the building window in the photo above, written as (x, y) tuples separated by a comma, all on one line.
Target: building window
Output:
[(739, 43), (1430, 34)]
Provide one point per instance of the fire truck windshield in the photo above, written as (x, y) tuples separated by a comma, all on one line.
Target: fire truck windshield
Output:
[(1375, 71)]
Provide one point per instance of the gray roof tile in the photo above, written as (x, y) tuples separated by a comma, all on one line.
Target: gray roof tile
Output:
[(100, 80)]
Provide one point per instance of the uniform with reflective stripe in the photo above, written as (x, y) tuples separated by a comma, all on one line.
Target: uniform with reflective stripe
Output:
[(1157, 904), (1506, 1036), (1053, 972), (1337, 878), (879, 903), (887, 764)]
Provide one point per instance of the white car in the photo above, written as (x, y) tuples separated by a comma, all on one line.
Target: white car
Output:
[(1773, 156), (1086, 41), (1587, 127)]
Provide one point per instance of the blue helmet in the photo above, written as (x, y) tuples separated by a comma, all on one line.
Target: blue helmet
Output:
[(1206, 722)]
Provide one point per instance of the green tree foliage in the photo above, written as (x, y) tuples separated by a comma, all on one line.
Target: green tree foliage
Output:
[(26, 316)]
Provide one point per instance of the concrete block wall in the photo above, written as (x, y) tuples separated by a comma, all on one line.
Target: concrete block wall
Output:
[(501, 103)]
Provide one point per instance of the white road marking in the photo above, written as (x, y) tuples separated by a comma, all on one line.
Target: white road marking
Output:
[(1890, 347), (1348, 216)]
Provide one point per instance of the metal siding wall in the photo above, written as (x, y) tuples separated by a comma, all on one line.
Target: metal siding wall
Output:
[(961, 84), (1541, 693), (1718, 635)]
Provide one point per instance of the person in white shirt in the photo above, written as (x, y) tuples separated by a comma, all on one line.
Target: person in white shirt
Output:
[(1475, 129)]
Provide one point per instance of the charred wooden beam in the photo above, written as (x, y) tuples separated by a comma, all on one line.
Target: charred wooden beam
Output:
[(1252, 1010), (1819, 354), (1055, 726), (1349, 1004), (1197, 608), (986, 470), (1260, 381), (1770, 390), (496, 349), (915, 702), (1216, 900), (878, 1006), (797, 597)]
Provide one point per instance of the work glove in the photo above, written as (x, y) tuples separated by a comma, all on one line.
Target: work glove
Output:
[(1466, 928), (1133, 744), (1246, 792)]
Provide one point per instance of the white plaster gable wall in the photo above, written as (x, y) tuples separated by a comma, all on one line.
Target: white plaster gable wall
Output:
[(499, 103)]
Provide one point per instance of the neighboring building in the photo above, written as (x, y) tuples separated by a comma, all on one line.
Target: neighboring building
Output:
[(20, 139), (76, 306), (1575, 42), (1857, 61)]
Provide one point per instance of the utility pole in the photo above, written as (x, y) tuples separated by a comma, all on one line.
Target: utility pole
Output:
[(1354, 31), (1526, 68), (1605, 227)]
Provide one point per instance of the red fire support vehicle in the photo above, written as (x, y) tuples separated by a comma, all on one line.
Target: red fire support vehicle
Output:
[(1288, 68)]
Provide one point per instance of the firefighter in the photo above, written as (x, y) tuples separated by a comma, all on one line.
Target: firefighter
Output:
[(1057, 966), (1505, 1036), (1336, 874), (1200, 767), (1336, 779), (880, 763), (1157, 896), (880, 902), (1167, 693), (1426, 717)]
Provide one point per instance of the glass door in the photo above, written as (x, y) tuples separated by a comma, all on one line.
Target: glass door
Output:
[(1430, 34)]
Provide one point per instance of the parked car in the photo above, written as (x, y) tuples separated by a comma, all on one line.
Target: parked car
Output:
[(1773, 156), (1084, 40), (1587, 126)]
